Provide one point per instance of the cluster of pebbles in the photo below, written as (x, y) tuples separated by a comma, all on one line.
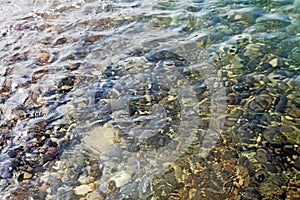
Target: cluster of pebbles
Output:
[(49, 123)]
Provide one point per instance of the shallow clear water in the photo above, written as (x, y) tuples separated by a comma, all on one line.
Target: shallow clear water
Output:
[(150, 99)]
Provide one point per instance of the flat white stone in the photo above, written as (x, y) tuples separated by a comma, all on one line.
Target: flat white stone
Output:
[(100, 138), (82, 189), (121, 178)]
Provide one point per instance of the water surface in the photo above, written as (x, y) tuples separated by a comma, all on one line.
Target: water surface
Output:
[(150, 99)]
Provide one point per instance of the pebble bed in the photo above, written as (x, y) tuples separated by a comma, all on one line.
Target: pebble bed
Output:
[(62, 135)]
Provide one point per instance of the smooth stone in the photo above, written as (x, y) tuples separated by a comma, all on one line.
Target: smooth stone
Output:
[(274, 62), (297, 163), (45, 57), (272, 17), (296, 54), (27, 175), (121, 178), (247, 14), (282, 2), (94, 196), (273, 137), (100, 138), (293, 28), (291, 133), (82, 189), (85, 179)]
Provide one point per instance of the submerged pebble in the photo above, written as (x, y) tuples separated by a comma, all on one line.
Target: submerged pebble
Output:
[(82, 189)]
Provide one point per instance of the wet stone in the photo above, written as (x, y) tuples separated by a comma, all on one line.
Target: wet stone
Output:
[(27, 175), (297, 163), (273, 137), (282, 2), (229, 154), (281, 104), (193, 8), (261, 175), (61, 41), (66, 83), (247, 15), (82, 189), (254, 51), (164, 5), (295, 54), (94, 196), (291, 133), (44, 58), (293, 28), (274, 19), (261, 156), (260, 103)]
